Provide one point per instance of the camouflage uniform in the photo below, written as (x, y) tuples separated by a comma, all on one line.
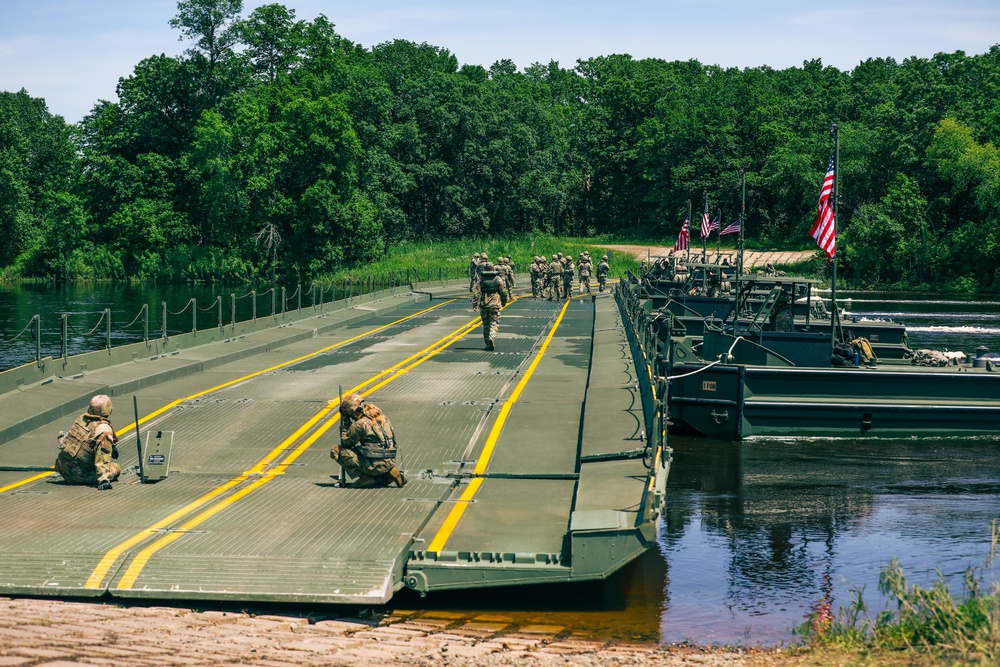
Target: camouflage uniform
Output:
[(488, 296), (602, 273), (585, 268), (473, 266), (569, 270), (536, 272), (483, 261), (86, 452), (506, 272), (367, 447), (555, 278)]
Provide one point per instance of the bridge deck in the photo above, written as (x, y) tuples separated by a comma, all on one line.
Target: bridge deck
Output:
[(524, 463)]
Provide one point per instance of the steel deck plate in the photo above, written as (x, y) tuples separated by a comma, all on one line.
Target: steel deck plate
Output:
[(253, 508)]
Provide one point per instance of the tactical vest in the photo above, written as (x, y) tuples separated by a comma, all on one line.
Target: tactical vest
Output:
[(489, 284), (585, 269), (78, 443), (381, 444)]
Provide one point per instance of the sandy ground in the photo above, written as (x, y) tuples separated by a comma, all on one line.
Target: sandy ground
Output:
[(58, 633), (750, 257)]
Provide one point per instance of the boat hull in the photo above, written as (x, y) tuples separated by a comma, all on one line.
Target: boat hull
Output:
[(733, 402)]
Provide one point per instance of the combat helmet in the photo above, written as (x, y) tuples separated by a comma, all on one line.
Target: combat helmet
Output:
[(350, 405), (476, 255), (100, 406), (605, 257), (559, 255)]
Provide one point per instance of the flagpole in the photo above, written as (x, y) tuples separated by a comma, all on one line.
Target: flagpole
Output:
[(835, 316), (718, 240), (688, 258), (704, 238), (704, 249), (739, 250)]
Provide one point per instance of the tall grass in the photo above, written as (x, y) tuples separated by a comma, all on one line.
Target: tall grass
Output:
[(450, 259), (965, 628)]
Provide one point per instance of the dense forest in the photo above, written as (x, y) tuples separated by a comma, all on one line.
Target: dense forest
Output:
[(275, 147)]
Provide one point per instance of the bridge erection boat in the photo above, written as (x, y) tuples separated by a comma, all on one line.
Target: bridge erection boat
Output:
[(745, 377), (544, 461)]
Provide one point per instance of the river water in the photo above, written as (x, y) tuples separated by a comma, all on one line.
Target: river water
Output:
[(755, 536)]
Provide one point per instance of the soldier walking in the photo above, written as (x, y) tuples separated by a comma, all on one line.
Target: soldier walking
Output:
[(585, 268), (488, 296), (602, 273), (569, 270), (86, 452), (535, 275), (473, 266), (555, 278), (506, 272)]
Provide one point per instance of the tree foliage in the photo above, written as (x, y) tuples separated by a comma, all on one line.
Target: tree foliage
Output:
[(272, 146)]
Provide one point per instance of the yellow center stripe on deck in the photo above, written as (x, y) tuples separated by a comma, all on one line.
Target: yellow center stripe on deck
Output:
[(174, 404), (437, 544), (282, 365), (137, 565), (105, 564), (26, 481)]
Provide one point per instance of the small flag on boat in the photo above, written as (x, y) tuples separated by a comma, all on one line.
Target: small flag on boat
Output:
[(731, 228), (824, 230), (684, 238)]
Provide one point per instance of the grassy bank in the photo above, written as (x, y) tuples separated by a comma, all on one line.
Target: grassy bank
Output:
[(450, 259), (920, 626)]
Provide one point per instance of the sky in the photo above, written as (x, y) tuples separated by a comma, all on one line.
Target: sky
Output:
[(72, 52)]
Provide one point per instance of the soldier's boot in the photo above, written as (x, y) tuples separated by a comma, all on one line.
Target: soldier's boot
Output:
[(397, 477), (104, 482), (365, 482), (489, 344)]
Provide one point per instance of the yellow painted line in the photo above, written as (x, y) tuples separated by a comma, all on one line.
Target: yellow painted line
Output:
[(26, 481), (282, 365), (128, 579), (97, 576), (137, 565), (106, 562), (174, 404), (451, 521)]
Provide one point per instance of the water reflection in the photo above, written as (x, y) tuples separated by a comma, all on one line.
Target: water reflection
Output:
[(757, 535), (85, 305)]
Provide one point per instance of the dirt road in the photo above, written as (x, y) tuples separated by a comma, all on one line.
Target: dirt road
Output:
[(750, 257)]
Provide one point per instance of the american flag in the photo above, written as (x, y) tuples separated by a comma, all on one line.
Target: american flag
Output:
[(825, 229), (706, 225), (684, 238), (714, 225), (731, 228)]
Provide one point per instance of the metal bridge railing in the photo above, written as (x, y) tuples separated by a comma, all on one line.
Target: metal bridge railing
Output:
[(650, 354), (273, 303)]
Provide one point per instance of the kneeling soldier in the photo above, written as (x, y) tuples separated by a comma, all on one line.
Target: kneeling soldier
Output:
[(86, 452), (367, 446)]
